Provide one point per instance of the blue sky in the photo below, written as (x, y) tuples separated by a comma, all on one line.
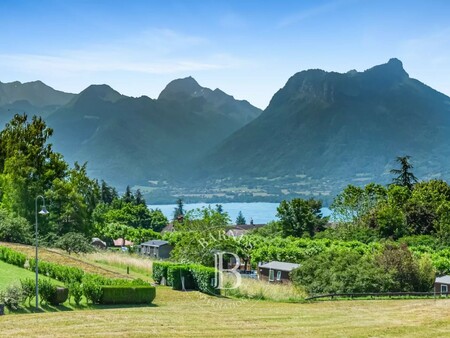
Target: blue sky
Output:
[(247, 48)]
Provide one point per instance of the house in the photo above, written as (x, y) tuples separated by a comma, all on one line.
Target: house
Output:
[(98, 243), (276, 272), (239, 230), (156, 249), (442, 285), (120, 242)]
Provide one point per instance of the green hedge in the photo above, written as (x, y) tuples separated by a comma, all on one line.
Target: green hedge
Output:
[(203, 277), (197, 277), (160, 271), (13, 257), (119, 294), (59, 295), (175, 275)]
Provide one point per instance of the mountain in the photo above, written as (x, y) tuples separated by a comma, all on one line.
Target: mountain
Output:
[(340, 128), (130, 140), (239, 112), (30, 97)]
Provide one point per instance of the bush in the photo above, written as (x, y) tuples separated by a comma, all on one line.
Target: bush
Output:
[(203, 277), (160, 271), (28, 289), (177, 273), (92, 291), (46, 290), (10, 256), (74, 242), (127, 294), (11, 297), (76, 291), (59, 295)]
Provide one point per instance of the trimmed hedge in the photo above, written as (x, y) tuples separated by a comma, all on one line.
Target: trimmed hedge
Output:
[(176, 274), (119, 294), (197, 277), (160, 271), (59, 295), (203, 277)]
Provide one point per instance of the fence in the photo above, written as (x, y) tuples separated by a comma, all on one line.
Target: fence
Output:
[(380, 294)]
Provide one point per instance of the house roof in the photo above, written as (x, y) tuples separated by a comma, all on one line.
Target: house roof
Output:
[(246, 226), (155, 243), (443, 279), (282, 266), (119, 242)]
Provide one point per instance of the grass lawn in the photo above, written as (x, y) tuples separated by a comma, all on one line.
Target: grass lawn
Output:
[(10, 274), (190, 314)]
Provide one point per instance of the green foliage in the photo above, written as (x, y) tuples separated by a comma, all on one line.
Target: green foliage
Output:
[(127, 294), (74, 242), (179, 210), (13, 257), (76, 292), (405, 177), (59, 295), (299, 217), (47, 291), (11, 297), (160, 271), (28, 286), (92, 291), (14, 229), (176, 274), (240, 219), (203, 277)]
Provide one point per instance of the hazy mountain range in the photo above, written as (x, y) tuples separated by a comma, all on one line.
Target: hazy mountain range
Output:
[(320, 131)]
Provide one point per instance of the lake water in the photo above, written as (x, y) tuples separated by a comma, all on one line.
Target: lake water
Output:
[(261, 213)]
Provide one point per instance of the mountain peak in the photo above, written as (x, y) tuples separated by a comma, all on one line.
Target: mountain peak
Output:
[(187, 86), (392, 69), (102, 91)]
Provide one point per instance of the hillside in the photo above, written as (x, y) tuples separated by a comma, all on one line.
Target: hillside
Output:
[(146, 139), (31, 98), (341, 128)]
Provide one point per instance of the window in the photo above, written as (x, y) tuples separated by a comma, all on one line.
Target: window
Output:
[(278, 275), (271, 275), (444, 288)]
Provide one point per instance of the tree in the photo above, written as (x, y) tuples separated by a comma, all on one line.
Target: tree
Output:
[(240, 220), (128, 197), (299, 217), (74, 242), (179, 209), (138, 198), (219, 208), (405, 177), (14, 229)]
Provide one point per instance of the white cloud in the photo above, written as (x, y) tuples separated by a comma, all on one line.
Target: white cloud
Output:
[(151, 52)]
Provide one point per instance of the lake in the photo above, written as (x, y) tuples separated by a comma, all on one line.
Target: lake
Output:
[(260, 212)]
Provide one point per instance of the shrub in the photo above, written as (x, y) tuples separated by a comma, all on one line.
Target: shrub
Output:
[(46, 290), (76, 291), (203, 277), (10, 256), (11, 297), (160, 271), (92, 291), (59, 295), (176, 274), (28, 289), (127, 294)]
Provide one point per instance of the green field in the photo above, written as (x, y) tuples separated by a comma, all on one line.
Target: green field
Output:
[(188, 314), (192, 314), (10, 274)]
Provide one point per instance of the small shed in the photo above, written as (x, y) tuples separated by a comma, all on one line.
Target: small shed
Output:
[(98, 243), (442, 285), (276, 272), (156, 249)]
